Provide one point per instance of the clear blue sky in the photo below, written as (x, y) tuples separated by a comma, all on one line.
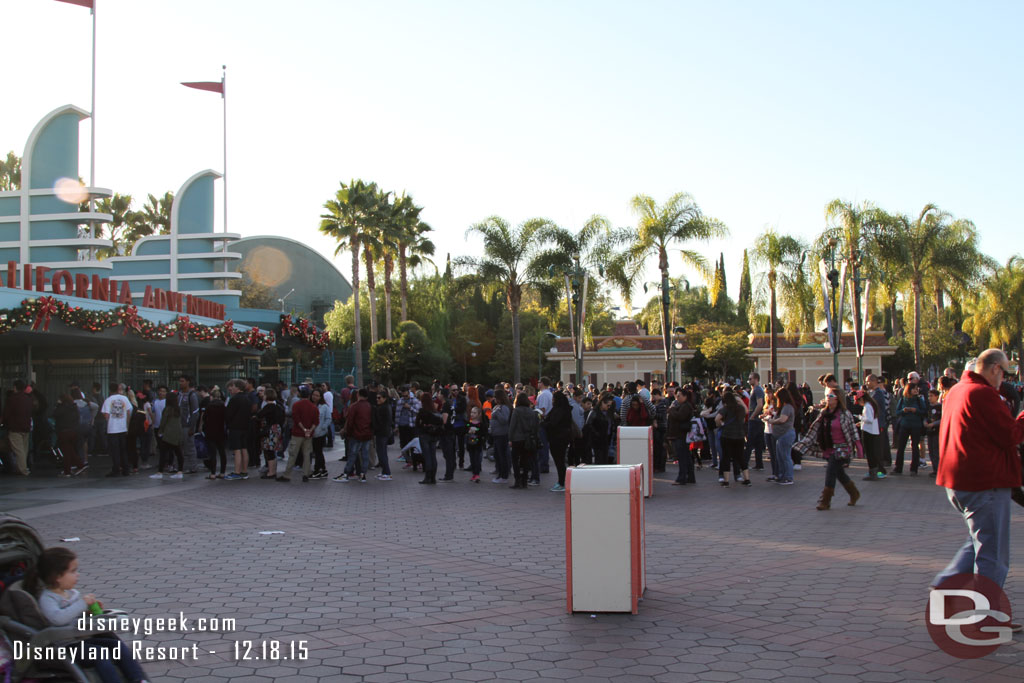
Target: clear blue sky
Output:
[(763, 111)]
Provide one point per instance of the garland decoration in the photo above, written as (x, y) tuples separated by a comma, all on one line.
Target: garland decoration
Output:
[(39, 312), (304, 331)]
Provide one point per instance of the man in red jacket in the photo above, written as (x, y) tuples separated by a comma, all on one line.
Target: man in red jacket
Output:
[(18, 420), (358, 433), (979, 465)]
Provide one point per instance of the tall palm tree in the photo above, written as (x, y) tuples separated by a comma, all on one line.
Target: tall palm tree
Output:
[(345, 218), (590, 246), (509, 258), (119, 206), (958, 266), (781, 255), (412, 244), (799, 298), (660, 228)]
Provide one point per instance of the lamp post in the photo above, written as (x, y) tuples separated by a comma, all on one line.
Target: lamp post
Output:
[(677, 345), (465, 357), (285, 297), (540, 352), (833, 309)]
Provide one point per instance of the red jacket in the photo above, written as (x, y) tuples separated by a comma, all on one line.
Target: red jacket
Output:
[(978, 438), (357, 421)]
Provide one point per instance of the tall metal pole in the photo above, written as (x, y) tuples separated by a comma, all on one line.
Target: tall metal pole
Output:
[(224, 101), (92, 132)]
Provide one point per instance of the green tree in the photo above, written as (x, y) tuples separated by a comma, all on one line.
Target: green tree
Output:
[(347, 215), (780, 254), (718, 291), (10, 173), (119, 206), (726, 351), (254, 294), (995, 314), (413, 246), (509, 258), (746, 294), (659, 228)]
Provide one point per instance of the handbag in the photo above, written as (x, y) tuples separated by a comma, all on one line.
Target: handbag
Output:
[(696, 433), (842, 453)]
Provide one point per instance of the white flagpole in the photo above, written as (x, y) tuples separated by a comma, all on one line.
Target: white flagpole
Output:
[(224, 101), (92, 127)]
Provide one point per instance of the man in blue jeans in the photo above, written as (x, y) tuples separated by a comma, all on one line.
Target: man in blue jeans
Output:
[(979, 466), (755, 428)]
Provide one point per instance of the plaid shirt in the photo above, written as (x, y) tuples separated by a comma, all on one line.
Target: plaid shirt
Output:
[(407, 410)]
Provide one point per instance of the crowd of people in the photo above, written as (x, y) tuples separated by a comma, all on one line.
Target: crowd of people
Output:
[(736, 428)]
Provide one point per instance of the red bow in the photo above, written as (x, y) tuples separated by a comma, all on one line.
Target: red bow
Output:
[(183, 324), (131, 319), (45, 308), (228, 331)]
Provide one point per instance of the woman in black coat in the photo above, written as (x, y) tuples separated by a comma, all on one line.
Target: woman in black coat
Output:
[(558, 425)]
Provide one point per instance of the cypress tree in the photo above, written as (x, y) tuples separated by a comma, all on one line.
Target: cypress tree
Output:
[(746, 294)]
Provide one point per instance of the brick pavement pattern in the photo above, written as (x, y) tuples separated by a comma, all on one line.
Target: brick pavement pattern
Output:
[(392, 581)]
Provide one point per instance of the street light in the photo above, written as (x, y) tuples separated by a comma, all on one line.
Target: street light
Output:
[(540, 351), (465, 357), (833, 311), (285, 297), (677, 345)]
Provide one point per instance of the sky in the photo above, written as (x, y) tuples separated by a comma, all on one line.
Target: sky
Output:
[(763, 112)]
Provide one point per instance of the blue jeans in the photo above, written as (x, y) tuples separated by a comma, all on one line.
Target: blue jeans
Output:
[(681, 450), (784, 454), (428, 446), (501, 455), (987, 549), (755, 443), (107, 669), (382, 454), (716, 447), (541, 457), (358, 453)]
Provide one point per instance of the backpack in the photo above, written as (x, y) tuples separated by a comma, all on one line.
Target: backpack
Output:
[(84, 415)]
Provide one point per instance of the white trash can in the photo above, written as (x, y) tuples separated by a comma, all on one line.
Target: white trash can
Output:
[(604, 538), (635, 446)]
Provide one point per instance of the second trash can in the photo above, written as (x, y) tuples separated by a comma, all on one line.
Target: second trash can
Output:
[(635, 446), (604, 538)]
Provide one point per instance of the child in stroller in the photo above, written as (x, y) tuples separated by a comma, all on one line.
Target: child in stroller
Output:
[(53, 579)]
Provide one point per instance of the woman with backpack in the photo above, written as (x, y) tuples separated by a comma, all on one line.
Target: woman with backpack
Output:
[(524, 439)]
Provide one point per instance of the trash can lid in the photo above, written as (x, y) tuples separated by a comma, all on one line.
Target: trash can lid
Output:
[(634, 433), (600, 479)]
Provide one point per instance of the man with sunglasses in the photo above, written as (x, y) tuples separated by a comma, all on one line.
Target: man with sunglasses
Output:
[(979, 466)]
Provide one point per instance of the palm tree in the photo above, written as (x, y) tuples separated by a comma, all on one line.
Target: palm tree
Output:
[(412, 244), (346, 217), (799, 298), (659, 228), (119, 206), (10, 173), (958, 266), (995, 314), (509, 258), (589, 246), (781, 254)]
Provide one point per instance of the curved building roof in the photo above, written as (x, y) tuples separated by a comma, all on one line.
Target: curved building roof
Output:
[(283, 264)]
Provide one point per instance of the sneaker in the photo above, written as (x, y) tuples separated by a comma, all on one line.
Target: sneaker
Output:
[(499, 480), (445, 480), (723, 483), (63, 475), (475, 479), (786, 482), (400, 458), (81, 469), (773, 478), (797, 467), (243, 475), (384, 477), (341, 478), (235, 476), (362, 479), (746, 482), (533, 482), (557, 488), (156, 476), (177, 475)]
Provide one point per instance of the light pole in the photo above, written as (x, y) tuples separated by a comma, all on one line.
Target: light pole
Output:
[(677, 345), (540, 352), (285, 297), (833, 309), (465, 357)]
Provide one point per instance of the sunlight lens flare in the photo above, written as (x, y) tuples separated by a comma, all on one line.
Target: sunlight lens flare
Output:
[(70, 190)]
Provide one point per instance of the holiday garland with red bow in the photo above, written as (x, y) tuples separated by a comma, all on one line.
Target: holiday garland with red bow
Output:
[(304, 331), (39, 312)]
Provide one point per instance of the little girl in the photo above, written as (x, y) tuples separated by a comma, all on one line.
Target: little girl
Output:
[(56, 573), (476, 435)]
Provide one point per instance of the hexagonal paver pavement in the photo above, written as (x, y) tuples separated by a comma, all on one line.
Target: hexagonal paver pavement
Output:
[(392, 581)]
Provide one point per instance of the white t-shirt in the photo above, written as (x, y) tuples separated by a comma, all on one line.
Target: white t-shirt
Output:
[(329, 400), (157, 407), (118, 409)]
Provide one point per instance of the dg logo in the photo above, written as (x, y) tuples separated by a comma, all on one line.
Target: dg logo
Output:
[(968, 616)]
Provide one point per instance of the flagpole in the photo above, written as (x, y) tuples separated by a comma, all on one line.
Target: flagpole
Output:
[(224, 101), (92, 128)]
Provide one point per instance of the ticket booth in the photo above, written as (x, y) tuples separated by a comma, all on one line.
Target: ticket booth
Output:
[(604, 537), (635, 446)]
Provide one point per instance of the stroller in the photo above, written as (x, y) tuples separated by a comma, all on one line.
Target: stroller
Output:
[(20, 616)]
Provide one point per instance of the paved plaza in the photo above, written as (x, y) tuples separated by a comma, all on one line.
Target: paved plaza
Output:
[(392, 581)]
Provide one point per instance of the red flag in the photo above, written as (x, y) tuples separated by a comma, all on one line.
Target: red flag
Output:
[(80, 3), (212, 86)]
